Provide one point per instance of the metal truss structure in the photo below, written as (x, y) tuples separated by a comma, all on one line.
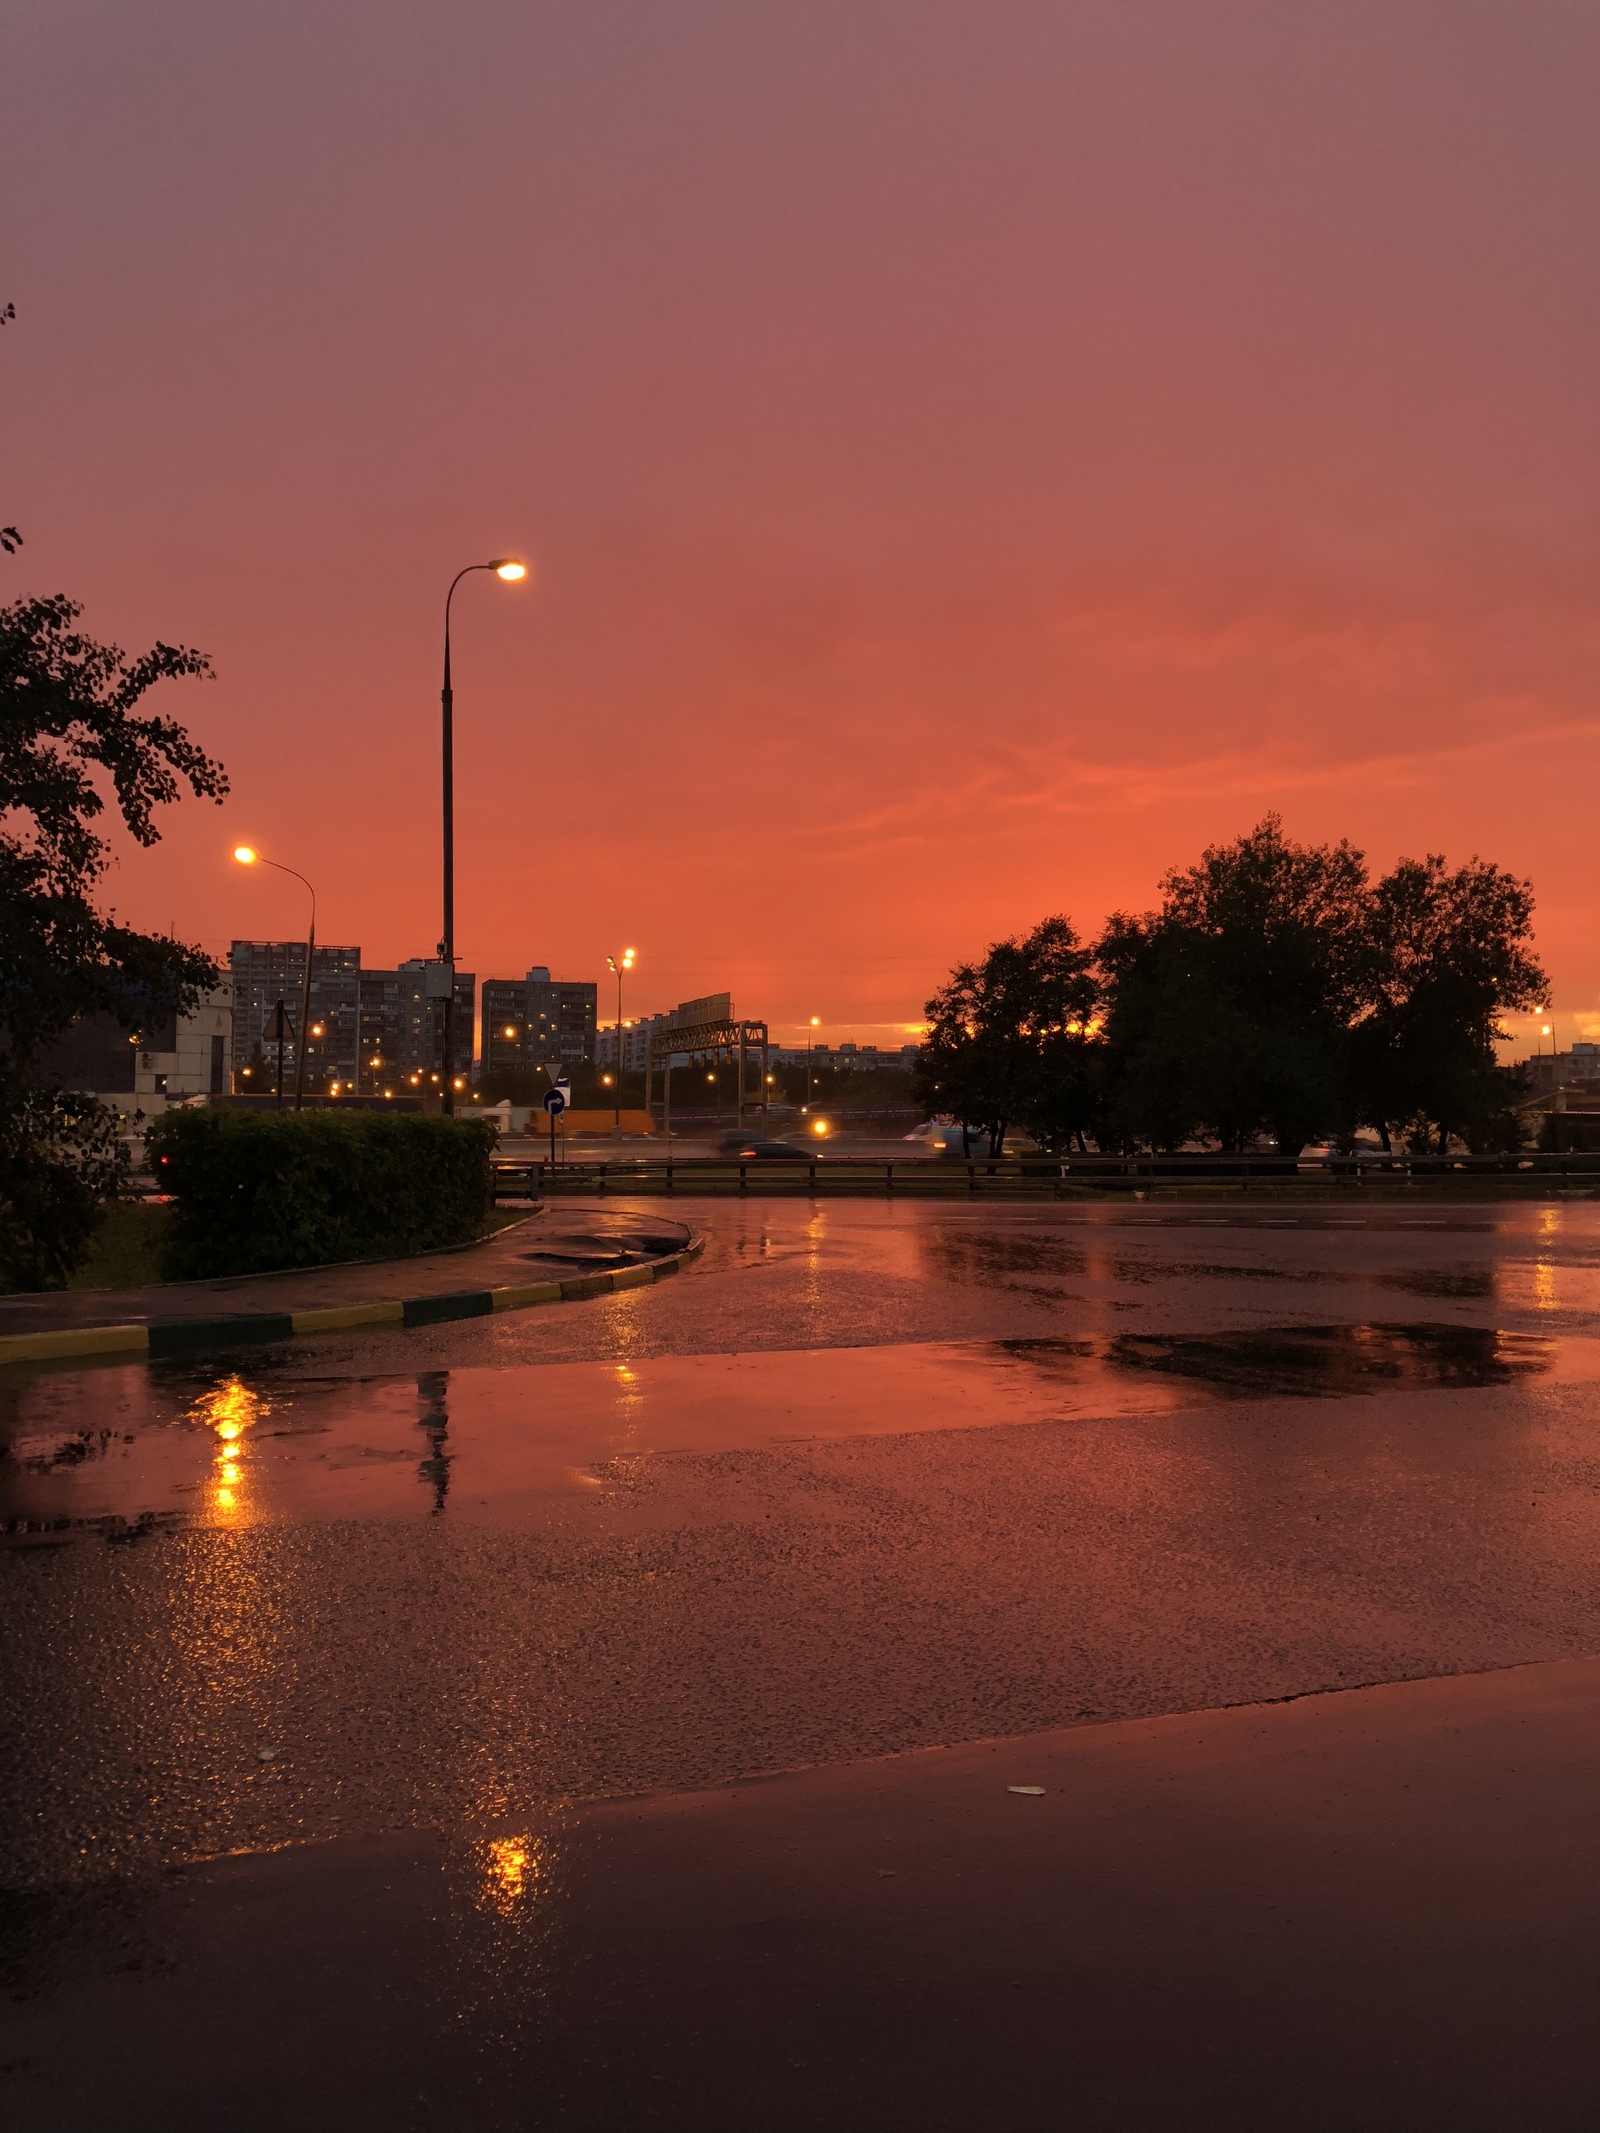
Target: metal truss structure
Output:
[(700, 1040)]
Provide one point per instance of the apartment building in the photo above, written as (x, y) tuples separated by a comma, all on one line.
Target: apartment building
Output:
[(538, 1020)]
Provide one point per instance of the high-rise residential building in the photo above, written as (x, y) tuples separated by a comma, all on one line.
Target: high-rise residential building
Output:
[(265, 972), (420, 1030), (370, 1030), (378, 1057), (537, 1021)]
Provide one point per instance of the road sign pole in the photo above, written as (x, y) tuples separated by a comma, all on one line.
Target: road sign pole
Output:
[(556, 1099)]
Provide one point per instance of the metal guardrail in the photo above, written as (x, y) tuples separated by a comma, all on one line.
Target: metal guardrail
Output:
[(1051, 1176)]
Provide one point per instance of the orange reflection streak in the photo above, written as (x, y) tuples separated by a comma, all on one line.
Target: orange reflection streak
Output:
[(512, 1869), (229, 1409)]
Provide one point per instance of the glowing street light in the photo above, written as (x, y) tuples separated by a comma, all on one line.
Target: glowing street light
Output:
[(617, 970), (248, 856), (510, 571)]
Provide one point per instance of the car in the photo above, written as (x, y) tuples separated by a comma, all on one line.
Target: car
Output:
[(759, 1151)]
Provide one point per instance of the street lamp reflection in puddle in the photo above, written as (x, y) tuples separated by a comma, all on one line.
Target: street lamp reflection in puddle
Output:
[(433, 1416), (229, 1410), (510, 1872)]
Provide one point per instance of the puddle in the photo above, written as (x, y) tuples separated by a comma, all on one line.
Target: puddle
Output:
[(575, 1257), (1329, 1362), (181, 1445), (998, 1258), (1466, 1281)]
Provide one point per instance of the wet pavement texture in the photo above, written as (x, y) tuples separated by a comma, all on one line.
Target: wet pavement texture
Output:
[(1370, 1910), (380, 1612)]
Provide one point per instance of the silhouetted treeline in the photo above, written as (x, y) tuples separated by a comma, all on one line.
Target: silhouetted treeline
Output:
[(73, 737), (1276, 990)]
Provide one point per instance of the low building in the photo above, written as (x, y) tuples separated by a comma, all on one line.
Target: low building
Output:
[(1547, 1071), (845, 1058), (142, 1072)]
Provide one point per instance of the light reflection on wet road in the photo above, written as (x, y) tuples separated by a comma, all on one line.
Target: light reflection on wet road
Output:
[(240, 1444), (360, 1619), (1050, 1468)]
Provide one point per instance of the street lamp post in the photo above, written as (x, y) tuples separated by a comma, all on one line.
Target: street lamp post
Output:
[(617, 969), (508, 568), (815, 1022), (248, 856), (279, 1017)]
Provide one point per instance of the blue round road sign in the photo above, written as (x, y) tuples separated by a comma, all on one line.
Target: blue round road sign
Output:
[(555, 1101)]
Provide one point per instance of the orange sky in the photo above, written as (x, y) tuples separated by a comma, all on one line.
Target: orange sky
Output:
[(972, 455)]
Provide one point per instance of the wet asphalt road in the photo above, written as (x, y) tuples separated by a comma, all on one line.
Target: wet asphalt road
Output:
[(870, 1478)]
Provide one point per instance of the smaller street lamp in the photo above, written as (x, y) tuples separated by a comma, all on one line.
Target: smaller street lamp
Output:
[(510, 570), (617, 970), (248, 856)]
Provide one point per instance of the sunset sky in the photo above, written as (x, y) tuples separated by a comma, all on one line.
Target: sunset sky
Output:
[(971, 457)]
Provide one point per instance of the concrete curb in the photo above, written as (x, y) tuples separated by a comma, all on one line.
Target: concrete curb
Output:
[(183, 1336)]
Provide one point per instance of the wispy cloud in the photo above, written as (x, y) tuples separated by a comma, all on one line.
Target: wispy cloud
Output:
[(978, 805)]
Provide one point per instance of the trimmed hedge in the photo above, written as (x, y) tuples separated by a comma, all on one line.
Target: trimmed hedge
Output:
[(256, 1191)]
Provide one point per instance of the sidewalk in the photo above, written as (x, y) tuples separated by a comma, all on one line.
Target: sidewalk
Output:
[(1367, 1910), (544, 1258)]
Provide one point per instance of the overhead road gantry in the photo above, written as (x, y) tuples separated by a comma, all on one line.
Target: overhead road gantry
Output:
[(720, 1037)]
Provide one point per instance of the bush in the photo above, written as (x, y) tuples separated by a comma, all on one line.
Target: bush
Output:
[(61, 1163), (257, 1191)]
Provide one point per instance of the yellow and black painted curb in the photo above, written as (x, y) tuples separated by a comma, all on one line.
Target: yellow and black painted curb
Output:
[(183, 1336)]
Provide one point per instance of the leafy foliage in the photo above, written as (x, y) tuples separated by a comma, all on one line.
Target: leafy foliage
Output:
[(1449, 955), (1229, 1005), (68, 720), (1009, 1038), (60, 1162), (1275, 990), (69, 726), (260, 1190)]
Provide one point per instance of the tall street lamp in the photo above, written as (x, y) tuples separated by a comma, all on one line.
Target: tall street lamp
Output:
[(816, 1021), (248, 856), (617, 969), (509, 569)]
